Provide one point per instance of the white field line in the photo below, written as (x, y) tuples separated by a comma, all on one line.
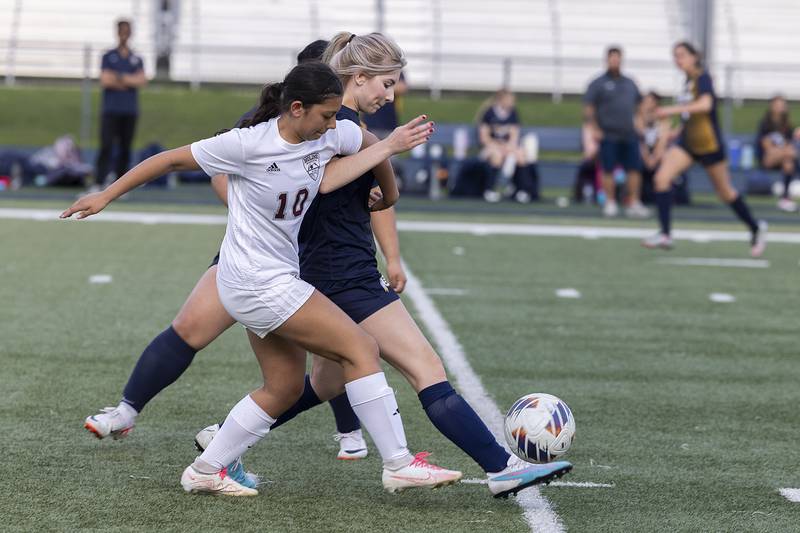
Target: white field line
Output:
[(793, 495), (577, 484), (538, 512), (714, 262), (542, 230), (444, 291)]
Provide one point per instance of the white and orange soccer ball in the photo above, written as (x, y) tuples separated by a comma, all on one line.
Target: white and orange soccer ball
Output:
[(539, 428)]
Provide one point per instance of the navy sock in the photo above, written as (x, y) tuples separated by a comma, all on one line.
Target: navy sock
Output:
[(743, 212), (346, 419), (787, 180), (161, 363), (456, 420), (664, 204), (307, 400)]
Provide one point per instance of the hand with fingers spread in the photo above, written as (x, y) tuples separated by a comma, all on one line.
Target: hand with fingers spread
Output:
[(88, 205), (409, 135)]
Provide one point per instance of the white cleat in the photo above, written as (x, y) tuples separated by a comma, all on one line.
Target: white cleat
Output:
[(610, 209), (110, 422), (787, 205), (419, 474), (637, 210), (519, 475), (218, 484), (758, 242), (658, 240), (236, 469), (352, 446)]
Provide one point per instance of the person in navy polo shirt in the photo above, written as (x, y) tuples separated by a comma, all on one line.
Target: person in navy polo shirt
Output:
[(121, 76)]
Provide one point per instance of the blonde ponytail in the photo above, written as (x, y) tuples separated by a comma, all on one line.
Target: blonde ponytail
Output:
[(372, 54)]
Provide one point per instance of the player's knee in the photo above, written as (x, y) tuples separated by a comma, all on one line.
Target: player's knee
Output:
[(187, 329)]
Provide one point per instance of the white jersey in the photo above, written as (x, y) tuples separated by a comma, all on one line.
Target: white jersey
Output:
[(270, 184)]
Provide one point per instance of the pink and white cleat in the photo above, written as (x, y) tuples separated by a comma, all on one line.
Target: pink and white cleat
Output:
[(658, 240), (419, 473), (219, 483)]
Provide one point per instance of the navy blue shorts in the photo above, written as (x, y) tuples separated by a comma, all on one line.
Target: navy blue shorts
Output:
[(624, 153), (359, 299), (705, 160)]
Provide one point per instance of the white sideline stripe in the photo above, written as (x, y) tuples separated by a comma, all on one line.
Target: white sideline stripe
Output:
[(793, 495), (540, 230), (538, 512), (714, 262), (577, 484), (442, 291)]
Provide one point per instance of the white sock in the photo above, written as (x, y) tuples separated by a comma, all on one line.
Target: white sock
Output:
[(246, 424), (375, 405)]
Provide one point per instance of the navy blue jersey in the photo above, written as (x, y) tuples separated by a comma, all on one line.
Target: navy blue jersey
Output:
[(335, 238), (500, 123), (124, 102)]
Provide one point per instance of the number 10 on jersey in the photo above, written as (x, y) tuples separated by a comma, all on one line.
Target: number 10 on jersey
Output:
[(299, 204)]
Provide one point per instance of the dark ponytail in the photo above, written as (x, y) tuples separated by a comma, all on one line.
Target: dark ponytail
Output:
[(694, 52), (309, 83)]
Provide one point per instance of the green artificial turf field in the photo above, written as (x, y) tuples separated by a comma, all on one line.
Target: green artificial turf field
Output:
[(687, 407)]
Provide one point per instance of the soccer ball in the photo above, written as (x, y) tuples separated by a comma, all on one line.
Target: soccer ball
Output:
[(539, 428)]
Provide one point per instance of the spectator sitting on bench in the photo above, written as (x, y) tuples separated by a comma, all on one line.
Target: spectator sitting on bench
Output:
[(775, 149), (498, 134)]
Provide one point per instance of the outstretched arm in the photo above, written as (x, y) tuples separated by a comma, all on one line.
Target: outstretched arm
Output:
[(148, 170), (342, 171)]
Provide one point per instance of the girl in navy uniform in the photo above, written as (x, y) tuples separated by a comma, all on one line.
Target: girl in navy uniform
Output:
[(699, 140), (338, 257)]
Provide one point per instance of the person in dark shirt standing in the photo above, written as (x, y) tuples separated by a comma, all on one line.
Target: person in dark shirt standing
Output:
[(610, 105), (121, 76)]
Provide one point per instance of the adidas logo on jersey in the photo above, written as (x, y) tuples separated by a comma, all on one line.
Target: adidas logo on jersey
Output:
[(273, 168)]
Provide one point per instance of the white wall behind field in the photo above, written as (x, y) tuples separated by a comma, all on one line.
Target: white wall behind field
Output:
[(533, 45)]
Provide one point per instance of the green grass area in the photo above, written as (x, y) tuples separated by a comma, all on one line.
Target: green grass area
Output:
[(686, 406), (36, 114)]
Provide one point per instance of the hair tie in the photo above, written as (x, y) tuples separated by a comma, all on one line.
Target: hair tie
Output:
[(352, 36)]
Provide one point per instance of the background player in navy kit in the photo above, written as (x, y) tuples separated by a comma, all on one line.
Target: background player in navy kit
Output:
[(498, 134), (775, 148), (699, 140), (121, 76), (338, 258)]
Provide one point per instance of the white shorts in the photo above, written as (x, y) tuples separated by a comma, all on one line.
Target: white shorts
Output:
[(263, 310)]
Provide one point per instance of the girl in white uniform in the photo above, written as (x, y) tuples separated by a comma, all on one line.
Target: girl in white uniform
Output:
[(276, 167)]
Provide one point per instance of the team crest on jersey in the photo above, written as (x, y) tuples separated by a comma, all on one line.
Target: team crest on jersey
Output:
[(311, 164)]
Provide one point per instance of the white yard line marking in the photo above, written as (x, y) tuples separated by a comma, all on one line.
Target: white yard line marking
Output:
[(793, 495), (540, 230), (441, 291), (714, 262), (538, 512), (100, 278), (721, 298), (568, 293)]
